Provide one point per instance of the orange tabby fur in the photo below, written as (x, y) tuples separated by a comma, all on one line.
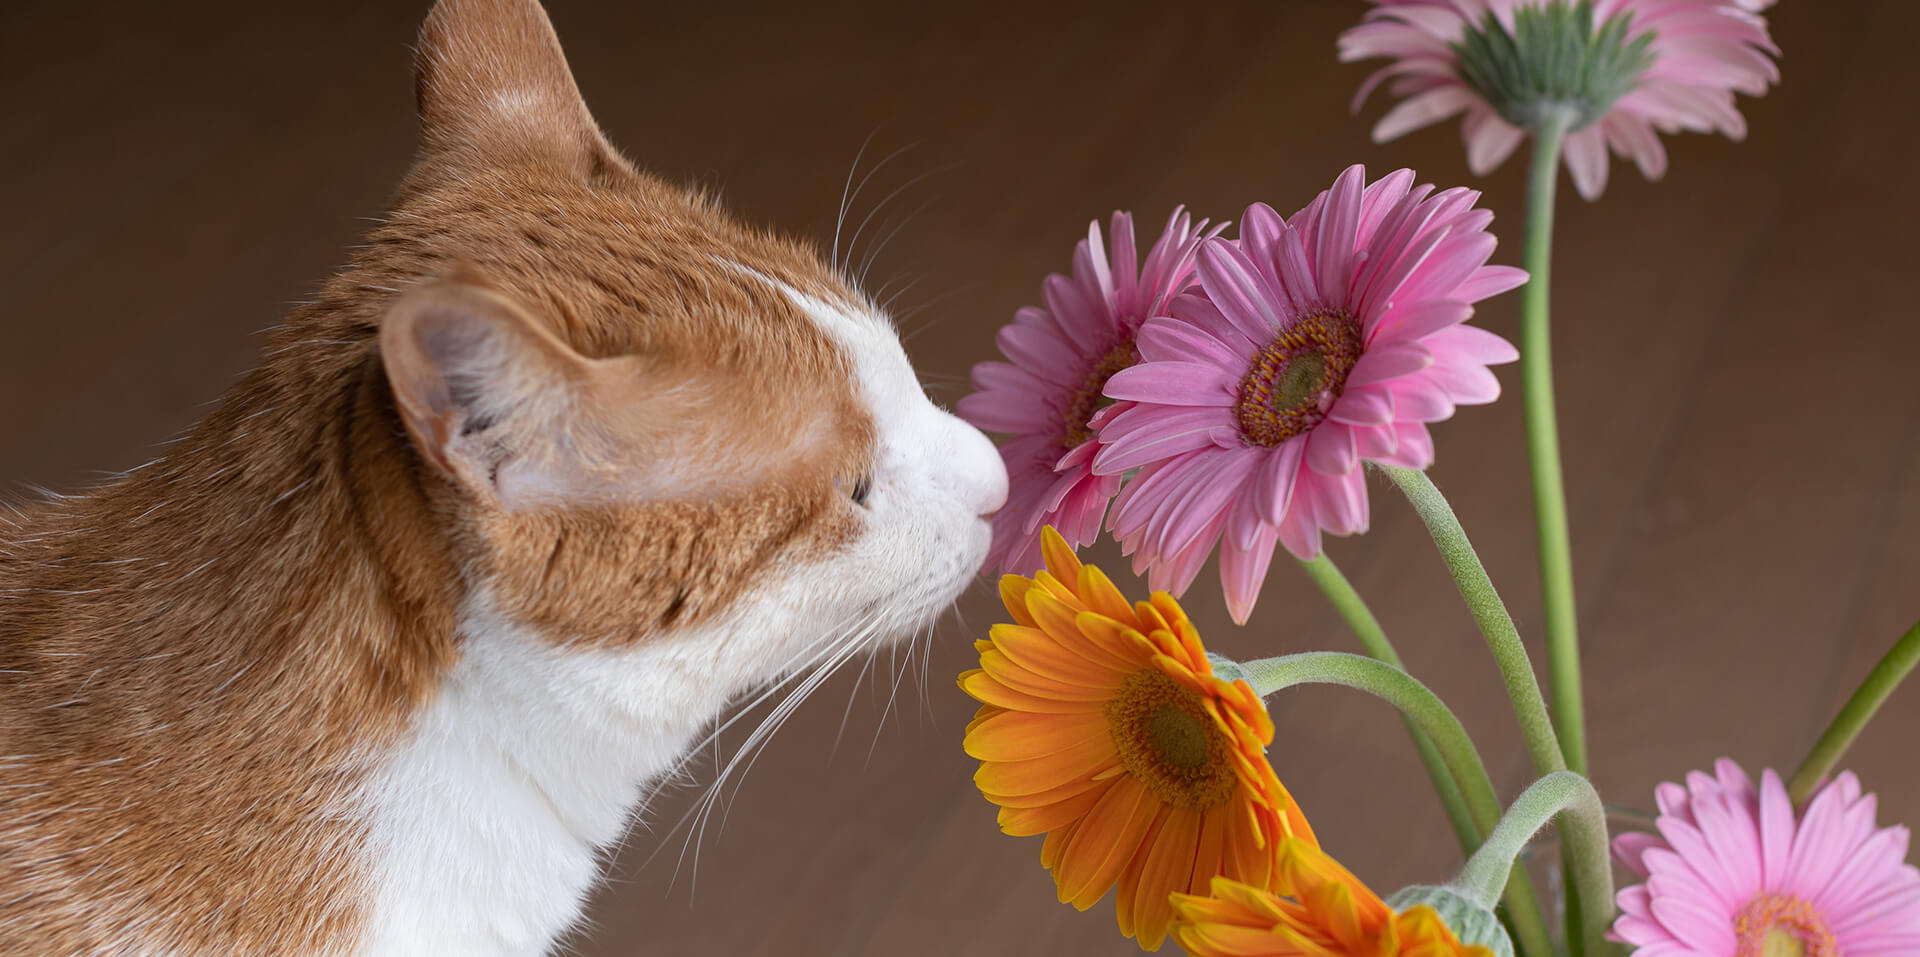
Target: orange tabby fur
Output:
[(200, 659)]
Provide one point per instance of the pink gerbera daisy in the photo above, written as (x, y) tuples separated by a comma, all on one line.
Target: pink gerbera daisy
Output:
[(1734, 872), (1048, 393), (1643, 66), (1310, 345)]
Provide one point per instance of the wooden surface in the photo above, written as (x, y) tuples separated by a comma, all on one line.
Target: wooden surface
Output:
[(1736, 347)]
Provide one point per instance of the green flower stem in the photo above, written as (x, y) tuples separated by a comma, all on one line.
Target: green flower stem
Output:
[(1859, 709), (1523, 687), (1543, 443), (1373, 638), (1424, 709), (1583, 833)]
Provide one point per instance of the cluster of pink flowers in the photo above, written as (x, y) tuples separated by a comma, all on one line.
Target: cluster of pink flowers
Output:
[(1241, 382)]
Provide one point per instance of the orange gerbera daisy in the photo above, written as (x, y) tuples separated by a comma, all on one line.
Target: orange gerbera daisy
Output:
[(1103, 726), (1331, 914)]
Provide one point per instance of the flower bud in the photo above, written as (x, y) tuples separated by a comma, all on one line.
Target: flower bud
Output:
[(1469, 921)]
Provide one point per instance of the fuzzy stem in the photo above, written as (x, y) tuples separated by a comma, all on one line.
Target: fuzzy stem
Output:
[(1543, 444), (1373, 638), (1859, 709), (1421, 707), (1583, 835), (1523, 687)]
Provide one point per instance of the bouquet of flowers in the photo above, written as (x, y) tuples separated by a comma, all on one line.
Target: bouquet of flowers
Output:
[(1228, 393)]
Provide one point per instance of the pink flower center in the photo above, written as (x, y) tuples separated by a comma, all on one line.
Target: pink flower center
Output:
[(1091, 396), (1781, 925), (1297, 376)]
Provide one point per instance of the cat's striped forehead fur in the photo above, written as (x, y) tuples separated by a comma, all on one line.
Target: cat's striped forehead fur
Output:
[(380, 655)]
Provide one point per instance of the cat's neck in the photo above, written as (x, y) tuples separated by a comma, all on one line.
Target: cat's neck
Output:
[(487, 826), (231, 633)]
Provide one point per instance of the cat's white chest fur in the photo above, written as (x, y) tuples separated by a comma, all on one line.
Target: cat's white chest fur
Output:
[(486, 826)]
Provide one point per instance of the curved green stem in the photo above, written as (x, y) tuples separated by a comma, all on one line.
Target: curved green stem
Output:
[(1424, 709), (1583, 831), (1523, 687), (1543, 445), (1373, 638), (1859, 709)]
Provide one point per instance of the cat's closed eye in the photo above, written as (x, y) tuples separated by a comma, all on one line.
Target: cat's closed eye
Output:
[(858, 489)]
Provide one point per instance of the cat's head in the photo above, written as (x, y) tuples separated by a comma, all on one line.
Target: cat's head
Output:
[(649, 419)]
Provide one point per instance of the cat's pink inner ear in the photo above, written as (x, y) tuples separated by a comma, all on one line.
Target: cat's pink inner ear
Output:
[(493, 85), (476, 380)]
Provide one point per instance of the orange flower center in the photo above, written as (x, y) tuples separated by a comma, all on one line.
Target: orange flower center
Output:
[(1091, 396), (1283, 393), (1168, 742), (1780, 925)]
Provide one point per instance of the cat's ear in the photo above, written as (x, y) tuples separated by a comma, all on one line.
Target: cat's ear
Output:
[(493, 85), (479, 383)]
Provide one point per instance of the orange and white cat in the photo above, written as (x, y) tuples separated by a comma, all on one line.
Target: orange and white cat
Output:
[(381, 656)]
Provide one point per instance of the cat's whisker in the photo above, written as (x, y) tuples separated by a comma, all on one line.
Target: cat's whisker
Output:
[(750, 750), (827, 649), (852, 693), (847, 205), (875, 211), (866, 265), (892, 696), (845, 188)]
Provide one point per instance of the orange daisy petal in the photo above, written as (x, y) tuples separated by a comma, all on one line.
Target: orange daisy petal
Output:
[(1040, 774), (1014, 736), (1059, 555), (1043, 654), (1167, 867), (1008, 672), (1028, 821), (1061, 591), (988, 690), (1116, 640), (1013, 594), (1108, 838), (1125, 900), (1102, 598)]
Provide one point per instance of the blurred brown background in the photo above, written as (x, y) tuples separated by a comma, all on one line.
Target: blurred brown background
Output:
[(1736, 347)]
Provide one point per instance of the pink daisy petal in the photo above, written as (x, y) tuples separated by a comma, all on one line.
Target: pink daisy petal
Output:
[(1049, 394), (1175, 383), (1272, 488), (1491, 281), (1413, 446), (1174, 340), (1311, 345), (1733, 866)]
